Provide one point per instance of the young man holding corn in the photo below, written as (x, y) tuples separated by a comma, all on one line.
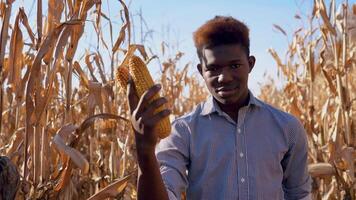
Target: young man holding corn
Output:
[(232, 146)]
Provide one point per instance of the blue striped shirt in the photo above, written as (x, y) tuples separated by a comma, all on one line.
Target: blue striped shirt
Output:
[(210, 156)]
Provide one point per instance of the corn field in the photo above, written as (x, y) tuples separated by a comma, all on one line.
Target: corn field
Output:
[(64, 122), (319, 70)]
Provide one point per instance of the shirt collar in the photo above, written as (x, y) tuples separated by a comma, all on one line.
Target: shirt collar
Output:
[(211, 106)]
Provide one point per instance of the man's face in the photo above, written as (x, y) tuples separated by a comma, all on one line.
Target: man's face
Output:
[(225, 69)]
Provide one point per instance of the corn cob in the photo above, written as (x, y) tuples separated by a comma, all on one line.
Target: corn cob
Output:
[(143, 81), (122, 77)]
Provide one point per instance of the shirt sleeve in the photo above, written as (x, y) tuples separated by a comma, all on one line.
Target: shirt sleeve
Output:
[(173, 157), (296, 178)]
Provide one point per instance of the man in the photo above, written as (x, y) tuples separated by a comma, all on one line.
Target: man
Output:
[(232, 146)]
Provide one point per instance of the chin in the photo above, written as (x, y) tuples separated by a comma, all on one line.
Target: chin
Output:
[(226, 101)]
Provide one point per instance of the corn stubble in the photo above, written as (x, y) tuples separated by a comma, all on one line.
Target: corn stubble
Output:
[(75, 141)]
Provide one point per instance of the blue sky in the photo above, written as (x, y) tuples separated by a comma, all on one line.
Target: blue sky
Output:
[(175, 21), (185, 16)]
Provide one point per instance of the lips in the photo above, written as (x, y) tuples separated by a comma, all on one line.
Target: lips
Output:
[(226, 92), (229, 88)]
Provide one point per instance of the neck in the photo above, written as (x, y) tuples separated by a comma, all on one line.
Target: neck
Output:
[(233, 109)]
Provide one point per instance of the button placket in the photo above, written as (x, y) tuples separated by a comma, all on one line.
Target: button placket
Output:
[(242, 164)]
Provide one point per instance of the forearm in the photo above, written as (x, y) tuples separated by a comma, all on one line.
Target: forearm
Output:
[(150, 184)]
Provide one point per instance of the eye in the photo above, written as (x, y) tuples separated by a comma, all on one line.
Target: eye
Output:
[(235, 66)]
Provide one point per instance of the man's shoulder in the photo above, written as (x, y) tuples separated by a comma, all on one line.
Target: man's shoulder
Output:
[(279, 114), (289, 124)]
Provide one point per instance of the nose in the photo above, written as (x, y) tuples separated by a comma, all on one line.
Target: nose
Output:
[(225, 76)]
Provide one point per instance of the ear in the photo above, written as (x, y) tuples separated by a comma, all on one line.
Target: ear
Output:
[(199, 67), (251, 62)]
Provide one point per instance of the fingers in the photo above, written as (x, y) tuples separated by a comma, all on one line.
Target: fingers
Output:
[(148, 118), (154, 105), (146, 97), (157, 117), (132, 95)]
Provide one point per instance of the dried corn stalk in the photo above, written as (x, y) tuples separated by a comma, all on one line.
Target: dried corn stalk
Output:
[(319, 70), (49, 126)]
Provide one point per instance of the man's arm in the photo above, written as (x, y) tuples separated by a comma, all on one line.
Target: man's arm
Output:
[(150, 183), (296, 179)]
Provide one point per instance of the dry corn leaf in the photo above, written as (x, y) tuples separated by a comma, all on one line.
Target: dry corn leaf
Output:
[(347, 154), (280, 65), (321, 10), (89, 121), (113, 160), (78, 158), (65, 132), (32, 84), (5, 69), (58, 55), (311, 65), (279, 29), (294, 108), (95, 98), (51, 75), (124, 27), (65, 175), (330, 192), (98, 17), (27, 25), (112, 190), (2, 9), (55, 9), (77, 31), (82, 75), (99, 63), (16, 140), (87, 4), (66, 172), (324, 111), (70, 7), (39, 22), (76, 8), (120, 39), (142, 51), (98, 29), (321, 169), (4, 31), (90, 66), (15, 55), (45, 157)]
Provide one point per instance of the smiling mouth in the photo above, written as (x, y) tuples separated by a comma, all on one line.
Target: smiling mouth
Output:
[(225, 92), (226, 89)]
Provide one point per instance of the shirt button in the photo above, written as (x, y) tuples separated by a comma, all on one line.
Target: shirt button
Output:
[(242, 180), (239, 130), (241, 155)]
